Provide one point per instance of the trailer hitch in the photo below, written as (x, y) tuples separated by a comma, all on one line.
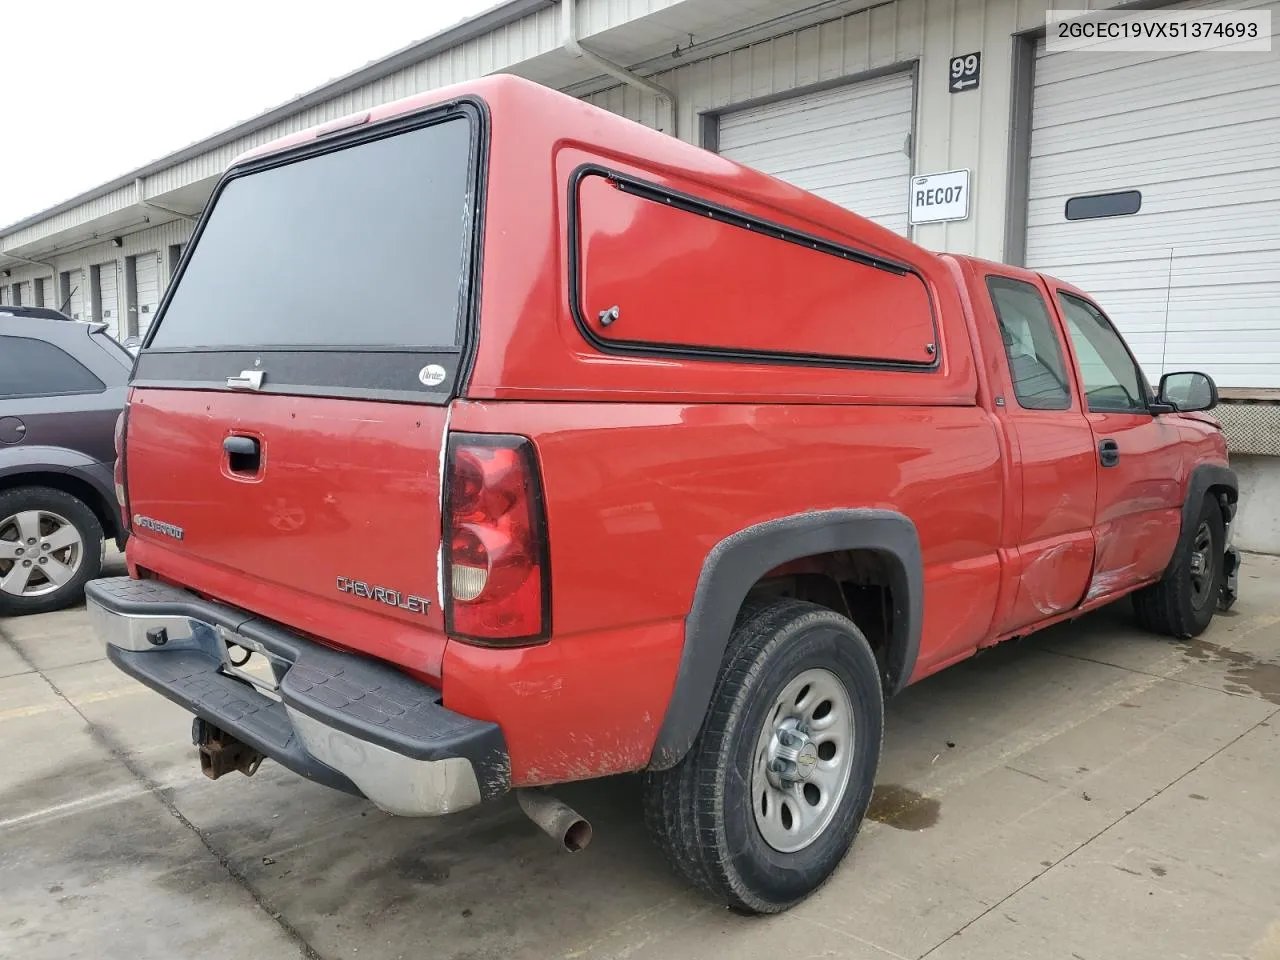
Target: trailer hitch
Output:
[(222, 753)]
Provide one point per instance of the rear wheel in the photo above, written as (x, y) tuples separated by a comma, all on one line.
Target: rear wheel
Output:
[(767, 802), (50, 546), (1183, 602)]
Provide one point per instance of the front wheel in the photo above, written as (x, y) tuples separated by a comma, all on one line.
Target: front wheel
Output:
[(768, 800), (1183, 602)]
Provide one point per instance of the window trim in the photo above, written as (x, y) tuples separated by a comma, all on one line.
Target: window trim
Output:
[(45, 395), (1057, 339), (757, 225), (1142, 377), (294, 369), (1066, 207)]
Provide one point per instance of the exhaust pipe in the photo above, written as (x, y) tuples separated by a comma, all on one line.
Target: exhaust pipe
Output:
[(558, 820)]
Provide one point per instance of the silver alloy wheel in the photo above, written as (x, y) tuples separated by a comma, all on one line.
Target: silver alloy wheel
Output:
[(803, 759), (40, 552)]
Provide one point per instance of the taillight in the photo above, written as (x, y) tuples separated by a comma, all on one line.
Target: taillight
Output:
[(122, 492), (496, 575)]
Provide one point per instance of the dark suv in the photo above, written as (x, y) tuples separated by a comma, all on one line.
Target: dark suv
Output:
[(62, 386)]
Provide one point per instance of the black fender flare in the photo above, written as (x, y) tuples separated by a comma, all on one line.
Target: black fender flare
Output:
[(737, 563), (1204, 478), (18, 462)]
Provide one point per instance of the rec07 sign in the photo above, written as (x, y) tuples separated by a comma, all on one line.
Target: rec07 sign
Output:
[(939, 197)]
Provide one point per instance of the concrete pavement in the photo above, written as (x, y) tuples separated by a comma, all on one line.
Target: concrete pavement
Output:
[(1089, 793)]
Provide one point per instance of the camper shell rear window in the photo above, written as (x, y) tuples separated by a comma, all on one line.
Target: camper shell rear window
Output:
[(342, 268)]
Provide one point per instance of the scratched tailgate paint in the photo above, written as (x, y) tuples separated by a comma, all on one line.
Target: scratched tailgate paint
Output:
[(337, 534)]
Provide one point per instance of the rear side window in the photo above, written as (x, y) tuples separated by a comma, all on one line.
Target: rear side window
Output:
[(35, 368), (1031, 345), (115, 348), (684, 277), (362, 246)]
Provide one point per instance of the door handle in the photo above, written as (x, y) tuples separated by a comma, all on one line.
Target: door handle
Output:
[(1109, 453)]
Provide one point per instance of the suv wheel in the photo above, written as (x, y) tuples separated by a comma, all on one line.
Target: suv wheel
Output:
[(50, 546), (767, 802), (1182, 603)]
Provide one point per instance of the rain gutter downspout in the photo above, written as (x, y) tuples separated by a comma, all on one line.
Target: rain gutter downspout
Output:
[(569, 29)]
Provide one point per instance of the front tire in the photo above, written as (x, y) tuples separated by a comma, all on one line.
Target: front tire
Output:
[(768, 800), (1182, 604), (50, 547)]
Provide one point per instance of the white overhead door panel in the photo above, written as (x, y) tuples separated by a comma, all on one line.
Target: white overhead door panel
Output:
[(848, 145), (1193, 278), (147, 275), (75, 304), (107, 290)]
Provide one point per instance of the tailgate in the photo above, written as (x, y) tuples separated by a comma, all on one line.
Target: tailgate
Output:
[(333, 528), (290, 403)]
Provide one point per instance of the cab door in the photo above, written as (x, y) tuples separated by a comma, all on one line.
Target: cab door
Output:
[(1051, 552), (1140, 467)]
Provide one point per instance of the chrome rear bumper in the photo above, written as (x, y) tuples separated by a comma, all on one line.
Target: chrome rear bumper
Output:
[(340, 719)]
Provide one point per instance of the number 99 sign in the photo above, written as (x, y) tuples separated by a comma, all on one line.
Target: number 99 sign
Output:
[(965, 72)]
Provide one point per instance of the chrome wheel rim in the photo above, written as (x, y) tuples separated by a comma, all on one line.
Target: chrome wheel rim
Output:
[(40, 552), (1202, 566), (802, 761)]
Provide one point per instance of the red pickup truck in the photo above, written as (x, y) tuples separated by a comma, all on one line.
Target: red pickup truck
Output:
[(518, 444)]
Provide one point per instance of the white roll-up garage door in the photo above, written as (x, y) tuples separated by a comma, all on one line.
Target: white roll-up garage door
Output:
[(147, 276), (76, 299), (107, 288), (1198, 136), (848, 145)]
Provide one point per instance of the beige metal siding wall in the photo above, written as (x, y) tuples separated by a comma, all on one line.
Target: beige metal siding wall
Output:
[(597, 16), (491, 53), (23, 277), (952, 131), (116, 200), (152, 239)]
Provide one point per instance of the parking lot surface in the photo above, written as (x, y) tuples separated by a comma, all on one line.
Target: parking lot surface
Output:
[(1088, 793)]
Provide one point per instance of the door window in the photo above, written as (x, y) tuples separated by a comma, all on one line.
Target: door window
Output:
[(1112, 381), (1030, 344), (34, 368)]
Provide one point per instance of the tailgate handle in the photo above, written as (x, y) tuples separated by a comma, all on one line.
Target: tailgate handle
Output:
[(244, 454), (241, 446)]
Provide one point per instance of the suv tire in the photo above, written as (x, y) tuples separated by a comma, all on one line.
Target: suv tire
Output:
[(67, 532), (1182, 604), (767, 802)]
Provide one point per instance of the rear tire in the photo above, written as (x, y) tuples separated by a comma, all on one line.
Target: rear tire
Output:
[(767, 802), (1182, 604), (49, 573)]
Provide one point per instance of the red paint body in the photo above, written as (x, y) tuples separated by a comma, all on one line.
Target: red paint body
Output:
[(648, 462)]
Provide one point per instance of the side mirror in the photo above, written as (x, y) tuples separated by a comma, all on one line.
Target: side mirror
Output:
[(1187, 392)]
